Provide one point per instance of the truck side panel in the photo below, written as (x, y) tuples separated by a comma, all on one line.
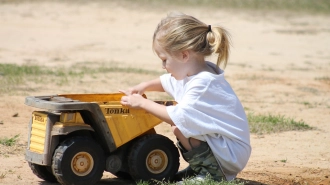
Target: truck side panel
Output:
[(126, 124)]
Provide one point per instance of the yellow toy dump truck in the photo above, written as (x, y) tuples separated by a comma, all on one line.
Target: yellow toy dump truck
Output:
[(76, 137)]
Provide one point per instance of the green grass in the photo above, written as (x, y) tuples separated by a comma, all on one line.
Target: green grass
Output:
[(324, 79), (283, 160), (108, 69), (267, 124), (189, 181), (308, 104), (304, 6), (9, 141), (12, 75)]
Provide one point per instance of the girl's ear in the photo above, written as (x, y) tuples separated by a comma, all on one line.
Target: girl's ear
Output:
[(185, 56)]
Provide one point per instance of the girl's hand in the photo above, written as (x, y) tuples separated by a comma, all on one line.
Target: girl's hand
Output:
[(132, 100), (139, 102), (138, 89)]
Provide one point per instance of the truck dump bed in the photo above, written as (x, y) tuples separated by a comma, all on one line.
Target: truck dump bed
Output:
[(104, 113)]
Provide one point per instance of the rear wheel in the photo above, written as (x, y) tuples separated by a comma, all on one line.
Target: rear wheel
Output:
[(43, 172), (78, 160), (153, 157)]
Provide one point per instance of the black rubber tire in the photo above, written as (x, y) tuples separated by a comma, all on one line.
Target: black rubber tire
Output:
[(123, 175), (153, 149), (75, 151), (43, 172)]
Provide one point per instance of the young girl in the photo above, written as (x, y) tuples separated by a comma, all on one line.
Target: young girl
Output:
[(209, 120)]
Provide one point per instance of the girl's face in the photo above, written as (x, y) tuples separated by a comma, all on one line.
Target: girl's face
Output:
[(172, 63)]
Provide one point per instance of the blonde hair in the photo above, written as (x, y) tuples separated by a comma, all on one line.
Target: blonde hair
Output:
[(179, 32)]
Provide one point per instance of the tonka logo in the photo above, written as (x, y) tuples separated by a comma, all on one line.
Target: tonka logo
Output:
[(116, 111), (39, 118)]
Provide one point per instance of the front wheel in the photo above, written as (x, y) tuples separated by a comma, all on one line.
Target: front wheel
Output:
[(78, 160), (153, 157), (43, 172)]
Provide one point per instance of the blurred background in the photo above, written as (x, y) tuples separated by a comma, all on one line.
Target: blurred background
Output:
[(65, 38)]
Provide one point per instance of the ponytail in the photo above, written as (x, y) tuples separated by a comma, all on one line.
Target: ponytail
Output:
[(219, 40)]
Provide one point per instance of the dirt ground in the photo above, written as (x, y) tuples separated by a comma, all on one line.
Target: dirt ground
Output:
[(279, 64)]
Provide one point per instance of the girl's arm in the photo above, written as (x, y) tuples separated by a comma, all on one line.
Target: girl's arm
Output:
[(134, 99), (137, 101), (157, 110), (152, 85)]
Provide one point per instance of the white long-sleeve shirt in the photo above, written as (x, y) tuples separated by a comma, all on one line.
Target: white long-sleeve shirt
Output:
[(209, 110)]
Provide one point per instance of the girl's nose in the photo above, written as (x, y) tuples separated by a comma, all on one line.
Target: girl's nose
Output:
[(163, 65)]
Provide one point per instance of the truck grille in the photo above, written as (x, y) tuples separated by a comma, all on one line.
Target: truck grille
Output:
[(38, 132)]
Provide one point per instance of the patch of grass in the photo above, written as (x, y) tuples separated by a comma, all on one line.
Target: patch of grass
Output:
[(190, 181), (324, 79), (107, 69), (267, 124), (12, 75), (246, 108), (270, 69), (9, 141), (308, 6), (16, 70), (300, 69), (308, 90), (283, 160), (307, 104)]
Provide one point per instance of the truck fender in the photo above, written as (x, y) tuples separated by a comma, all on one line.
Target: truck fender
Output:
[(64, 129)]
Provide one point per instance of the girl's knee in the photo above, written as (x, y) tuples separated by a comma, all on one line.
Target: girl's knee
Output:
[(176, 132), (173, 127)]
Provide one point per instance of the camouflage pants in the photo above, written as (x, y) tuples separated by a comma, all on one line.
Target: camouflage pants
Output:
[(202, 161)]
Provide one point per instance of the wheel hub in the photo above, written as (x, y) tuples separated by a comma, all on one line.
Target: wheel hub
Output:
[(82, 163), (157, 161)]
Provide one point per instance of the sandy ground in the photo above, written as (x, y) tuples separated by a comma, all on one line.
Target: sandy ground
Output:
[(280, 64)]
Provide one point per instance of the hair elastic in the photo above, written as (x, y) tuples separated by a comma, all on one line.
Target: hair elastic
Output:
[(209, 29)]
